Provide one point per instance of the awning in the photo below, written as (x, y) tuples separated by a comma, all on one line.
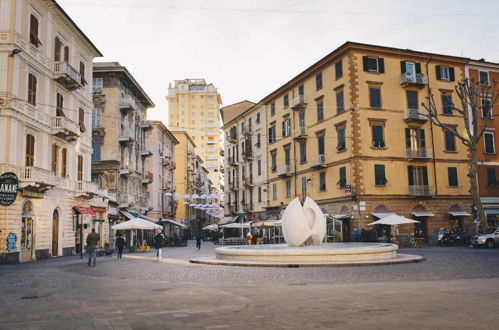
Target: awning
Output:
[(84, 210), (174, 223), (227, 220), (459, 213), (341, 216), (236, 225), (136, 223), (422, 214), (393, 220), (134, 214), (491, 211), (212, 227), (127, 215), (99, 209), (381, 215), (145, 218)]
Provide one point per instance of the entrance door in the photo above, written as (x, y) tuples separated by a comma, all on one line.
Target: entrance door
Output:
[(345, 228), (421, 229), (55, 233), (26, 252)]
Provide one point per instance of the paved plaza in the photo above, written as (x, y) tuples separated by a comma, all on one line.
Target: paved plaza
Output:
[(454, 288)]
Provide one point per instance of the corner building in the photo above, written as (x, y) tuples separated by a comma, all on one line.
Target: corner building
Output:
[(45, 131), (348, 133)]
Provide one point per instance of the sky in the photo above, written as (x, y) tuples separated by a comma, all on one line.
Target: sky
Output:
[(248, 48)]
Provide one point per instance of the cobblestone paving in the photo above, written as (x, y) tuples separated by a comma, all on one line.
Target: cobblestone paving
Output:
[(454, 288)]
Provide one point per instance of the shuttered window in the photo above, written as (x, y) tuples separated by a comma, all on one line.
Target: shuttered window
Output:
[(378, 141), (488, 138), (55, 151), (318, 81), (64, 160), (32, 83), (81, 120), (340, 106), (320, 110), (491, 177), (322, 181), (80, 168), (320, 144), (338, 70), (373, 64), (59, 105), (444, 73), (303, 152), (286, 101), (452, 175), (447, 104), (343, 177), (57, 49), (272, 109), (379, 175), (412, 99), (82, 73), (96, 150), (450, 141), (30, 150), (33, 31), (341, 139), (375, 97)]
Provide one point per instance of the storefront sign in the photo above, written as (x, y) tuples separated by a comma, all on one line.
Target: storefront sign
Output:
[(9, 186), (348, 189)]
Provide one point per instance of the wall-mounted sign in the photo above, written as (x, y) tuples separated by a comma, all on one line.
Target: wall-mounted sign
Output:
[(348, 189), (9, 186)]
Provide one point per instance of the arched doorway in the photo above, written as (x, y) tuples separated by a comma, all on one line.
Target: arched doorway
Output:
[(55, 233), (26, 241)]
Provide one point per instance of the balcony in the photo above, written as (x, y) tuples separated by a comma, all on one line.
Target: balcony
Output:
[(247, 131), (301, 134), (65, 128), (126, 136), (67, 76), (414, 80), (86, 189), (413, 115), (124, 170), (248, 154), (36, 179), (248, 181), (419, 153), (127, 103), (233, 138), (320, 162), (298, 102), (145, 151), (145, 125), (284, 171), (125, 200), (147, 179), (421, 190)]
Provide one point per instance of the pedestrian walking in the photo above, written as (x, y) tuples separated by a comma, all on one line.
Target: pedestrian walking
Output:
[(120, 244), (199, 237), (92, 241), (158, 242)]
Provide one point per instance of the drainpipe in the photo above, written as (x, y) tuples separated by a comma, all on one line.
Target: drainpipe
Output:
[(431, 130)]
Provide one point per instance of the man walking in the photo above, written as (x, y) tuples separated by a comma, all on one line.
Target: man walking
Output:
[(158, 242), (120, 244), (92, 241), (199, 237)]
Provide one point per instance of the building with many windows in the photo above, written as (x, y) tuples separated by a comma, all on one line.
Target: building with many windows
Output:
[(119, 142), (348, 132), (245, 161), (45, 119), (193, 106)]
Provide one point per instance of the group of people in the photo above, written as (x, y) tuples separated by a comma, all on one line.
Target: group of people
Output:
[(255, 238)]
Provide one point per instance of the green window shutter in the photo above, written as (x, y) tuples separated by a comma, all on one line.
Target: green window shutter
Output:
[(418, 68), (451, 74), (438, 71), (407, 137), (402, 67), (381, 65), (364, 63), (425, 175), (410, 175)]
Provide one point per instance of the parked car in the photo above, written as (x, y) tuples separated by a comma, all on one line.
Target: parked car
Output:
[(489, 239)]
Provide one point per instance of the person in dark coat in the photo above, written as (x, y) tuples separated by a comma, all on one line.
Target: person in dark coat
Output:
[(199, 238), (158, 242), (120, 244), (363, 235), (92, 242)]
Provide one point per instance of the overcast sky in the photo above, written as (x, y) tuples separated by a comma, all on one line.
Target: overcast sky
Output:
[(248, 48)]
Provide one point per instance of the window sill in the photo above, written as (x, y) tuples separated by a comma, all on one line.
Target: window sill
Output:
[(489, 153), (341, 151), (303, 162), (378, 109), (451, 151), (321, 191), (454, 187), (379, 148), (448, 115), (380, 185)]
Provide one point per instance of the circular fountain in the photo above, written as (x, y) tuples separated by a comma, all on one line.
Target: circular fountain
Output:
[(304, 228)]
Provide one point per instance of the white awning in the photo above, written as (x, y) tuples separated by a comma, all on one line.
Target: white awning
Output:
[(382, 215), (148, 219), (227, 220), (212, 227), (422, 214), (136, 223), (341, 216), (174, 223), (127, 215), (459, 214), (236, 225)]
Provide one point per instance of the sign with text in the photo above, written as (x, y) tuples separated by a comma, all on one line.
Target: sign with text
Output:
[(9, 186)]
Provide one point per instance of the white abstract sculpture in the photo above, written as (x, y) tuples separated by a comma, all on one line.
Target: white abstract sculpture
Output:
[(303, 225)]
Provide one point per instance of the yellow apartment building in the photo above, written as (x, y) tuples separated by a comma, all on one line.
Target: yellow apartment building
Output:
[(349, 133), (193, 106)]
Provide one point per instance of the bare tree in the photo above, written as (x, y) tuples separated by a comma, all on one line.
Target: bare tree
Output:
[(476, 117)]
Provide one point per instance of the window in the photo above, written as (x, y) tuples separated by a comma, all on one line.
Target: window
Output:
[(57, 49), (378, 141), (412, 99), (64, 159), (273, 161), (274, 191), (379, 175), (486, 113), (373, 64), (80, 168), (303, 152), (286, 101), (452, 175), (375, 97), (341, 138), (484, 78), (340, 106), (491, 177), (272, 136), (417, 175), (259, 194), (318, 81), (81, 119), (30, 150), (488, 138), (286, 127), (320, 144), (59, 105), (258, 140), (288, 188), (55, 151), (304, 186), (33, 31), (287, 157), (259, 167), (343, 177), (444, 73), (320, 110), (447, 104), (257, 121), (338, 70), (322, 181), (96, 150), (450, 141), (32, 82), (272, 109), (301, 90), (96, 118), (415, 141), (82, 73)]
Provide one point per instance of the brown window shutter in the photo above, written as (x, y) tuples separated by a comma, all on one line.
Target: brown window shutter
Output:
[(64, 162), (30, 150), (60, 106), (82, 120), (66, 54), (54, 158), (57, 49), (80, 168), (82, 73)]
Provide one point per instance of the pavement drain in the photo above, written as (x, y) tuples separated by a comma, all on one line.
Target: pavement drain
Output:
[(30, 297)]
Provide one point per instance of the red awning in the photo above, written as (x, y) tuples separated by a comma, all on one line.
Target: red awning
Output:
[(84, 210)]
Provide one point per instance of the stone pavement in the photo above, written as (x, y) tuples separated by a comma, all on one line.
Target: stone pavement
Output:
[(454, 288)]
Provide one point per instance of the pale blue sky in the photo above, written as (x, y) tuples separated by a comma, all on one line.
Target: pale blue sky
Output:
[(249, 48)]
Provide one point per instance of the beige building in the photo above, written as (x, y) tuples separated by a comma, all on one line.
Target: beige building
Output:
[(45, 120), (193, 106), (119, 139), (245, 160), (162, 166)]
